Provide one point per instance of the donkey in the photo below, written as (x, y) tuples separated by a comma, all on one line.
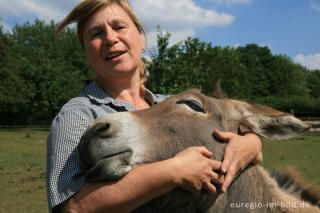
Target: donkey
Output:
[(116, 143)]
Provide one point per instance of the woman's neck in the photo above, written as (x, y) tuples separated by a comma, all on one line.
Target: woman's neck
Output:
[(125, 90)]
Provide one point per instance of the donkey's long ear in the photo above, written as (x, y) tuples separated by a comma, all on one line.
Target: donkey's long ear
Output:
[(271, 123)]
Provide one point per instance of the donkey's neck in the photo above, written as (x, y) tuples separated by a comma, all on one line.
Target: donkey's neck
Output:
[(255, 191)]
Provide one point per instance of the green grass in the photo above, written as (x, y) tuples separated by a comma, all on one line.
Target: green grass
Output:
[(23, 171), (301, 153), (23, 166)]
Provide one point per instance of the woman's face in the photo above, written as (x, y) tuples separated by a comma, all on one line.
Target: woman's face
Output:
[(113, 45)]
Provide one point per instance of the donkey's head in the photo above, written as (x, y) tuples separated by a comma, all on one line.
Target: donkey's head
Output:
[(116, 143)]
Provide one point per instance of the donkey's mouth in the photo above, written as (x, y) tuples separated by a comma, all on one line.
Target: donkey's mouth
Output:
[(110, 167), (112, 155)]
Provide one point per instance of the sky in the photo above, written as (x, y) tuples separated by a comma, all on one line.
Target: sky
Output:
[(287, 27)]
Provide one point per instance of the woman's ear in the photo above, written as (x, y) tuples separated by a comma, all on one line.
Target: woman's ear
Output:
[(143, 42)]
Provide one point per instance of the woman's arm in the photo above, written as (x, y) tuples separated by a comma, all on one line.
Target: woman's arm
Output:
[(240, 151), (190, 169), (134, 189)]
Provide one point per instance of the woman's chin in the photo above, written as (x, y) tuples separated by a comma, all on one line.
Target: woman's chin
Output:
[(121, 73)]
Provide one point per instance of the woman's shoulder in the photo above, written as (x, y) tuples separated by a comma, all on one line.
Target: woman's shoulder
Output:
[(86, 107), (76, 110), (87, 100), (81, 102)]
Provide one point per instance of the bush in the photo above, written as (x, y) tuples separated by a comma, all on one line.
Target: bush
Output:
[(296, 103)]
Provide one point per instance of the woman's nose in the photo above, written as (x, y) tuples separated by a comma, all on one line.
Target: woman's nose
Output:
[(111, 37)]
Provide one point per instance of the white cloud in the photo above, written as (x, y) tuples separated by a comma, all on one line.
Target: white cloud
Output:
[(179, 17), (239, 1), (178, 14), (230, 2), (148, 57), (5, 27), (312, 62), (236, 45), (44, 10), (315, 6), (262, 44), (175, 37)]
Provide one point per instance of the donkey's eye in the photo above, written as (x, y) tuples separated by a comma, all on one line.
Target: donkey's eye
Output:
[(193, 104)]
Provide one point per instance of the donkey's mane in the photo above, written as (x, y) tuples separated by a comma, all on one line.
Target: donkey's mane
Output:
[(218, 93), (290, 181)]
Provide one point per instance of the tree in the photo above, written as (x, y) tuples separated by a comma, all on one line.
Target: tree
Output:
[(249, 72), (54, 68), (313, 83), (39, 73), (15, 93)]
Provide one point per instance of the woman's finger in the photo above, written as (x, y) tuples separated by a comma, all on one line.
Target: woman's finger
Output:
[(211, 189), (230, 176), (228, 158), (204, 151), (216, 179), (225, 136), (234, 170), (215, 165)]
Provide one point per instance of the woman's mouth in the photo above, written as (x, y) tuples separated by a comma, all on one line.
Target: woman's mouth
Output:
[(114, 55)]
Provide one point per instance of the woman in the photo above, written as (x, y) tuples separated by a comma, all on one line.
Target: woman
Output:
[(113, 41)]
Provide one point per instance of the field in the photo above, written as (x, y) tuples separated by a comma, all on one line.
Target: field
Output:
[(301, 153), (23, 171), (23, 166)]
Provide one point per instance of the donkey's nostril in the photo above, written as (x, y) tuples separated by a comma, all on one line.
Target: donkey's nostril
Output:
[(102, 130)]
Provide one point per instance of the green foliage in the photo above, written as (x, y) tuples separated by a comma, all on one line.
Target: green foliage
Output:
[(297, 103), (15, 92), (313, 83), (249, 72), (39, 73), (53, 69)]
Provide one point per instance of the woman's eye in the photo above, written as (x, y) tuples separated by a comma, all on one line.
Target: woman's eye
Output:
[(96, 34), (120, 27), (193, 104)]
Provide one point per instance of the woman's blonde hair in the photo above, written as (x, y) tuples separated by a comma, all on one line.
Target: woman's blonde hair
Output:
[(87, 8)]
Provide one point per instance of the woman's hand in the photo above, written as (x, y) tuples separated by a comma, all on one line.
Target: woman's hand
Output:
[(240, 151), (193, 170)]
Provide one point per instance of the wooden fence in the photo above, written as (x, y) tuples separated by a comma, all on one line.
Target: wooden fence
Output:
[(313, 121)]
